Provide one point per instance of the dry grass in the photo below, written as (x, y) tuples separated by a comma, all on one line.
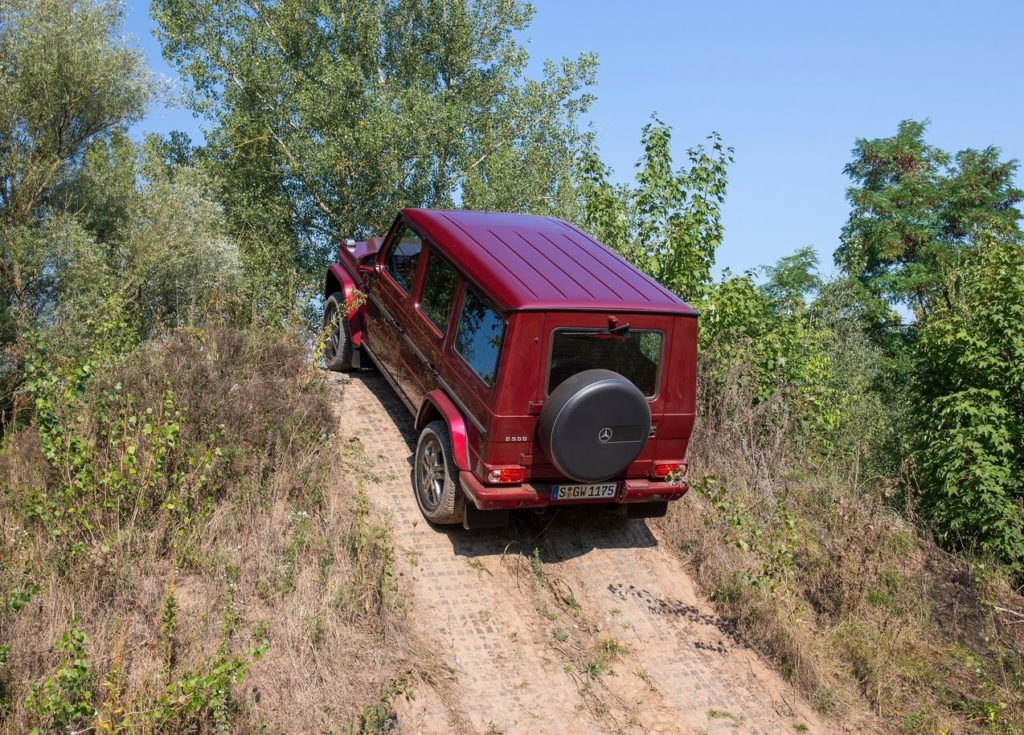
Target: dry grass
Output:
[(856, 607), (270, 566)]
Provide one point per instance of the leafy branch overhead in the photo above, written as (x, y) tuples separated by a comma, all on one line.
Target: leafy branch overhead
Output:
[(669, 223), (329, 117)]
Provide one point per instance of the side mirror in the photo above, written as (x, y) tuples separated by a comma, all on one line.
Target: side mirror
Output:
[(368, 262)]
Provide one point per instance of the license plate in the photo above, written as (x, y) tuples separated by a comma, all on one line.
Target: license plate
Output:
[(583, 492)]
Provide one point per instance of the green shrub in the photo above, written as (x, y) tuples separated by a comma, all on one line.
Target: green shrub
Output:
[(63, 700), (969, 412)]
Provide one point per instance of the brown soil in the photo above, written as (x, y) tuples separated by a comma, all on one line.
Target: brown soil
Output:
[(578, 622)]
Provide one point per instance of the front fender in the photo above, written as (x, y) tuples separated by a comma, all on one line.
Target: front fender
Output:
[(348, 287), (437, 400)]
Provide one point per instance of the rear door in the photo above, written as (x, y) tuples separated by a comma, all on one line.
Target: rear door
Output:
[(634, 345)]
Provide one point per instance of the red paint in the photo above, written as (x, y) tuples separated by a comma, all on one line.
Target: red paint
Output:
[(456, 424), (533, 263), (540, 274), (339, 279), (530, 495)]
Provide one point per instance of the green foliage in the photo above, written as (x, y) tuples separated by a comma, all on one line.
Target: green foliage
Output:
[(199, 700), (90, 222), (969, 410), (165, 262), (939, 234), (66, 78), (669, 224), (380, 718), (121, 468), (328, 118), (63, 701), (202, 694), (793, 280), (914, 210), (371, 591), (771, 540), (18, 589), (114, 461), (782, 352)]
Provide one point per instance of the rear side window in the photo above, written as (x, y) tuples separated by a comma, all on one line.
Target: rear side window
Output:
[(405, 253), (635, 355), (438, 291), (479, 335)]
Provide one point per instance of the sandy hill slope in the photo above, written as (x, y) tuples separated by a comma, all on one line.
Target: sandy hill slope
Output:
[(582, 623)]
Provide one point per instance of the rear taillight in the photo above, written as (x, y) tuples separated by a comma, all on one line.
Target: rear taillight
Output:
[(506, 475), (664, 469)]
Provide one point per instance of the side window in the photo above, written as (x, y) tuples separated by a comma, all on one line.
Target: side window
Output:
[(402, 259), (438, 291), (478, 337)]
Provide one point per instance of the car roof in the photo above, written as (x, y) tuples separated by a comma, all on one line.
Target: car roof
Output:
[(527, 262)]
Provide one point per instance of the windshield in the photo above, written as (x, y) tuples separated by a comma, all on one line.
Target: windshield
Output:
[(635, 354)]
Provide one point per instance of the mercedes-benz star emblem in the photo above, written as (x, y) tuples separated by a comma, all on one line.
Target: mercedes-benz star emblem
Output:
[(604, 435)]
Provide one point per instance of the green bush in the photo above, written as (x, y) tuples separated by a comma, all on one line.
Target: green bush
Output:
[(63, 701), (969, 390)]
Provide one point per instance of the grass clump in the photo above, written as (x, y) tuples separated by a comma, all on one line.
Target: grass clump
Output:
[(189, 493), (824, 574)]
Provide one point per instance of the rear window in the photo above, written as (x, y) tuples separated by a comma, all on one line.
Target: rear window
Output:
[(635, 355)]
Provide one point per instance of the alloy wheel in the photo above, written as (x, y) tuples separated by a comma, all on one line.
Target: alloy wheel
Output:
[(430, 471)]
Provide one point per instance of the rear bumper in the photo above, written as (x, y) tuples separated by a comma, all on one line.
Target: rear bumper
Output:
[(538, 495)]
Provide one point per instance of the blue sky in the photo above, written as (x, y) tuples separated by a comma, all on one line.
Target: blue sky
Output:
[(790, 85)]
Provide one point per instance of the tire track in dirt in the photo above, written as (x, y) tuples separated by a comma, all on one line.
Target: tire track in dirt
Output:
[(645, 596), (683, 673), (506, 680)]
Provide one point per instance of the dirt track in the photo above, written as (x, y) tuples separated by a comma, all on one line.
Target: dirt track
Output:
[(577, 624)]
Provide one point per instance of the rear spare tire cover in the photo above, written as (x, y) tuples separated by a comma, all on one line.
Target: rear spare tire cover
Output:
[(594, 425)]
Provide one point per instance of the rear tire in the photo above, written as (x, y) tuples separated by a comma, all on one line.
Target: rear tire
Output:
[(436, 477), (338, 334)]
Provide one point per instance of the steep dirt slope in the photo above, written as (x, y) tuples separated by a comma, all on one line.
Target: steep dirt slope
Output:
[(577, 624)]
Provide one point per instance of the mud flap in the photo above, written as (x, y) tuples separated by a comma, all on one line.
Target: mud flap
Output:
[(476, 518)]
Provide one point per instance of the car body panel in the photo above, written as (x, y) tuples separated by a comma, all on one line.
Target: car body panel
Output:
[(525, 262), (341, 280), (537, 274), (446, 408)]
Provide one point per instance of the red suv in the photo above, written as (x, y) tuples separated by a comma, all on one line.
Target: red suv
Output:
[(540, 367)]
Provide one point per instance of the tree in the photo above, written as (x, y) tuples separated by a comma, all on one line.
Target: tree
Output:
[(939, 234), (915, 209), (66, 81), (969, 405), (668, 224), (329, 117), (793, 279), (95, 231)]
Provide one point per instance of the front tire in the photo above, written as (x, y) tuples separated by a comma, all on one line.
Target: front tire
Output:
[(435, 476), (338, 334)]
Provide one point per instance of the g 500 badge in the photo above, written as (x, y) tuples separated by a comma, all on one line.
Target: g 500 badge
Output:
[(517, 438)]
